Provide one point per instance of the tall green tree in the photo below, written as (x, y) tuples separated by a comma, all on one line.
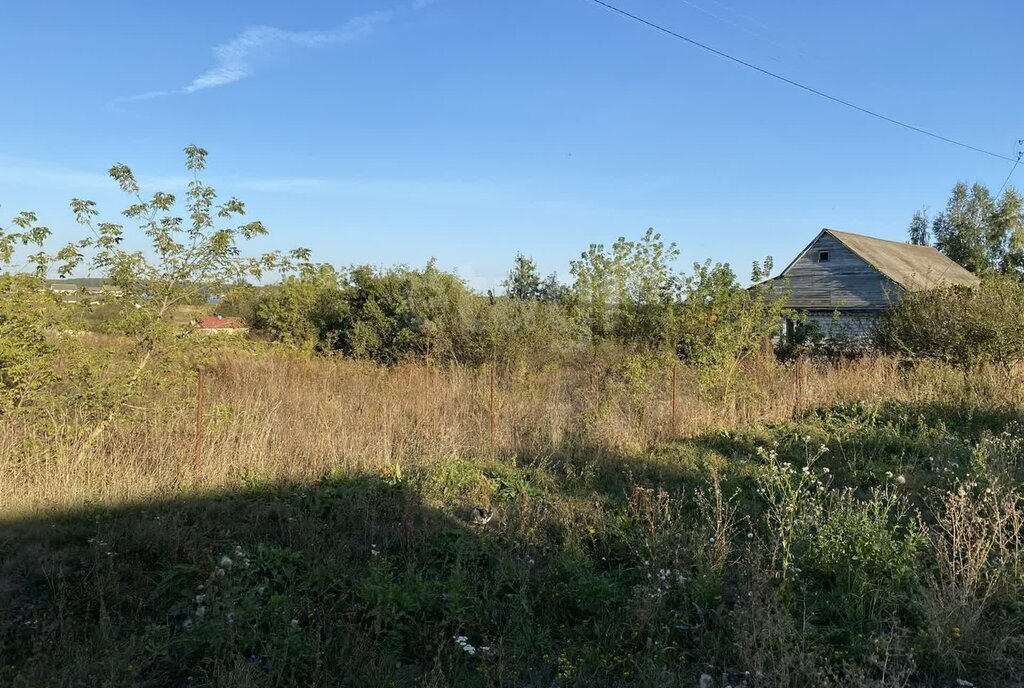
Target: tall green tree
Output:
[(980, 232), (919, 232), (525, 283)]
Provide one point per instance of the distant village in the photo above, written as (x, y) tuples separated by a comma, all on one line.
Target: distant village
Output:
[(90, 290)]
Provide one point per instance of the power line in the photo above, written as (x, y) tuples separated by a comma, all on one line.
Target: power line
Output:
[(809, 89), (1020, 154)]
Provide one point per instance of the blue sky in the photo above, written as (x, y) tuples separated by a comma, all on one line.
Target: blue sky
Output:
[(375, 132)]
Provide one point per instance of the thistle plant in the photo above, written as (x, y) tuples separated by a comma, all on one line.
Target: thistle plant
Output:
[(790, 497)]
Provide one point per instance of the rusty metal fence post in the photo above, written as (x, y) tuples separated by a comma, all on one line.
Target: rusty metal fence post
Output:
[(494, 443), (798, 386), (198, 453), (675, 428)]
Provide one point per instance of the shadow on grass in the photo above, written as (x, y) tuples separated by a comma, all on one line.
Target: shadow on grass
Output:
[(353, 580), (284, 584)]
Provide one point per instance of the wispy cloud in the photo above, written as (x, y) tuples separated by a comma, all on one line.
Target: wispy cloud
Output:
[(239, 57), (149, 95)]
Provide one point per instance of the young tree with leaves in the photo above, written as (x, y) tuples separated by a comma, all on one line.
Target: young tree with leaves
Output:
[(26, 354), (186, 256), (628, 292), (721, 324)]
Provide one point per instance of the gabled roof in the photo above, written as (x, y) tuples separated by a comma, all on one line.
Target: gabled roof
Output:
[(915, 268)]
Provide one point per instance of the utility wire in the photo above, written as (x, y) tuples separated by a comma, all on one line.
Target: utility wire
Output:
[(822, 94), (1020, 154)]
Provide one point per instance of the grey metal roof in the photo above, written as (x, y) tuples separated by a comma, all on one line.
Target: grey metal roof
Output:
[(914, 268)]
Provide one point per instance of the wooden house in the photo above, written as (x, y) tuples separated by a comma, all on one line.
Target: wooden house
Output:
[(842, 282)]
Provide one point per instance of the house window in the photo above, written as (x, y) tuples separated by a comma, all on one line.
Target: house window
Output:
[(822, 256)]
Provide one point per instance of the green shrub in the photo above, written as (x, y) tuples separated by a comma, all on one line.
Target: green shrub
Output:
[(959, 325), (26, 351), (862, 557)]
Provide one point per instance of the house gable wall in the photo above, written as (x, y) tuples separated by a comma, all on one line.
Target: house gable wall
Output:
[(845, 281)]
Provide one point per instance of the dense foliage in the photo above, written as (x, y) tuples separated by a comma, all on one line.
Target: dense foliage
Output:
[(983, 233), (959, 325), (631, 296), (630, 299), (26, 350)]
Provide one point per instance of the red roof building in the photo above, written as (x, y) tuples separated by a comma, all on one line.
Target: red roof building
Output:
[(221, 323)]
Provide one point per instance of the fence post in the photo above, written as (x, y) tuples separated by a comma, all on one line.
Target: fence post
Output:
[(198, 454), (674, 426), (798, 386), (494, 449)]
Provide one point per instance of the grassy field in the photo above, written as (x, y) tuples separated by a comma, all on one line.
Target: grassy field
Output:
[(850, 525)]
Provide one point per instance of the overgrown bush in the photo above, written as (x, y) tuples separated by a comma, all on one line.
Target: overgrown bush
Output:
[(959, 325), (721, 324), (26, 350)]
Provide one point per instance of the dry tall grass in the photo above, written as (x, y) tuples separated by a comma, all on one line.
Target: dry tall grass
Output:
[(277, 417)]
